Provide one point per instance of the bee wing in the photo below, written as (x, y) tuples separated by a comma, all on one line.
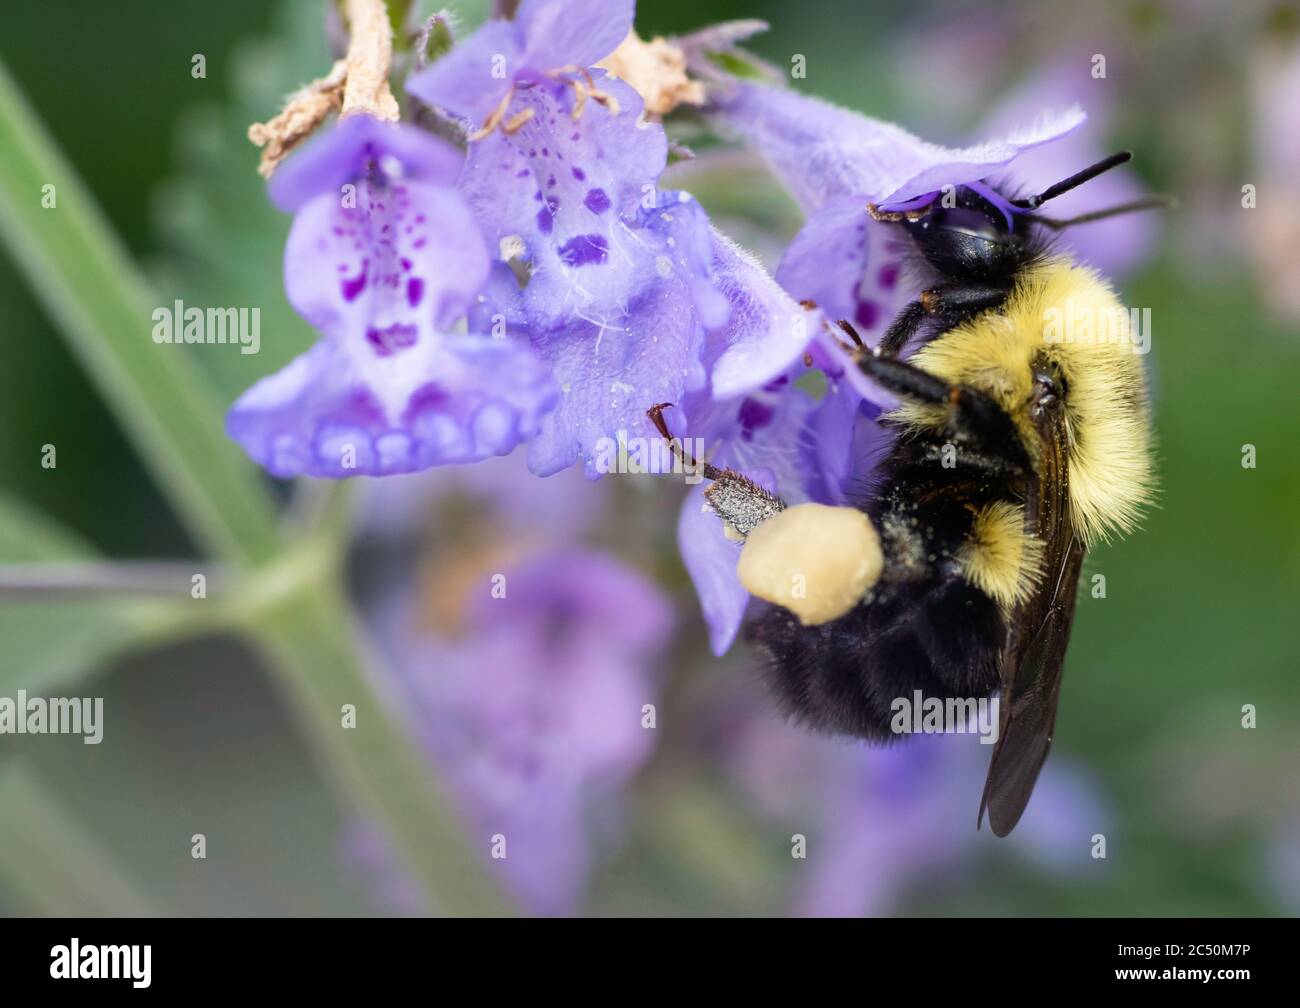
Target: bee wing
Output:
[(1034, 655), (1031, 687)]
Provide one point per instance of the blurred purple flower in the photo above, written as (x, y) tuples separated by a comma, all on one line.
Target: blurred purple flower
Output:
[(532, 710), (1271, 238), (882, 820), (383, 258)]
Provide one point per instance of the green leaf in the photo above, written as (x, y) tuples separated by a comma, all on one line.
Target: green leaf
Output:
[(739, 63), (440, 39), (27, 536), (52, 861), (85, 279), (223, 239)]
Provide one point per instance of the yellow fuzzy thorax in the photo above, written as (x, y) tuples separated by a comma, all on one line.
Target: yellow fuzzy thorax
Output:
[(1068, 315)]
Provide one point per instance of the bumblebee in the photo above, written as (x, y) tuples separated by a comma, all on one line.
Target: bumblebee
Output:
[(1014, 449)]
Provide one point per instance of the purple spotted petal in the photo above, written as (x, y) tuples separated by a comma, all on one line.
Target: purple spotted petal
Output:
[(472, 78), (621, 354), (343, 410), (340, 155), (571, 192), (573, 32), (821, 151), (400, 258), (850, 265)]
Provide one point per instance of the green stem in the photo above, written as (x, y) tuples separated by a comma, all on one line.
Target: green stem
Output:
[(287, 599), (87, 282), (47, 855), (317, 649)]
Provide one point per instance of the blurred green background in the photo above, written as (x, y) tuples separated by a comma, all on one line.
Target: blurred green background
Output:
[(1199, 617)]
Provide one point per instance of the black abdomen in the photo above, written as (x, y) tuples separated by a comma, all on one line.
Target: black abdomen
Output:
[(923, 627)]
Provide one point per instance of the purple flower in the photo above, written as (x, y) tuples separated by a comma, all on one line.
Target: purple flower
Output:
[(881, 820), (383, 258), (821, 151), (834, 161), (629, 292), (1270, 239), (545, 38), (532, 710)]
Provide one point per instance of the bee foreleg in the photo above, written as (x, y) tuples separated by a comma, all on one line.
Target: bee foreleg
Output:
[(952, 303), (971, 414)]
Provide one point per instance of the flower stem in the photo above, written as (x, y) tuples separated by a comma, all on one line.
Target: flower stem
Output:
[(285, 594), (49, 857), (315, 645)]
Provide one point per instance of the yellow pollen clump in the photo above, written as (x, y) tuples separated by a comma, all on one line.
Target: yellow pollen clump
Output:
[(815, 560)]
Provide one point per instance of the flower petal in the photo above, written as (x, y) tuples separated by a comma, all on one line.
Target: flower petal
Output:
[(471, 79), (340, 155), (766, 331), (821, 151), (580, 33), (340, 410), (710, 559), (571, 192), (850, 265), (401, 258), (610, 373)]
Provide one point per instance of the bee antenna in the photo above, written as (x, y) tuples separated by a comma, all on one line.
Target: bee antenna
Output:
[(1074, 181), (1158, 202)]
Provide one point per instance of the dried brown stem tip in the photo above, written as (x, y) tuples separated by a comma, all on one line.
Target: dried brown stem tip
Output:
[(656, 70), (357, 83), (370, 54)]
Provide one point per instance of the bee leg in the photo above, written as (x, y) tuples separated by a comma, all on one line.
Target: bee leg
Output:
[(741, 503), (952, 303), (973, 414), (902, 329)]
